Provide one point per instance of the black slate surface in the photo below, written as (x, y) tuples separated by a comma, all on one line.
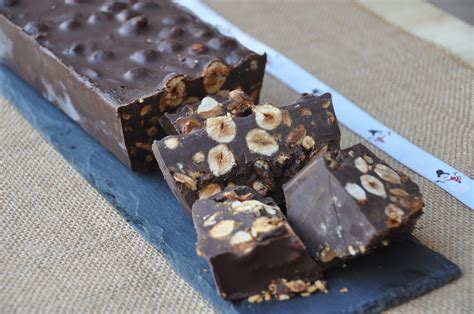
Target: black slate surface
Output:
[(387, 277)]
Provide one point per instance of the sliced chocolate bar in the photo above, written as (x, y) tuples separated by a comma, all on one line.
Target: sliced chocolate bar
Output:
[(252, 250), (116, 66), (262, 150), (193, 116), (343, 205)]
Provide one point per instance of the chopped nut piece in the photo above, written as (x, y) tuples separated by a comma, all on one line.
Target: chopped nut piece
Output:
[(209, 107), (199, 157), (247, 206), (261, 142), (221, 129), (308, 142), (331, 117), (282, 158), (387, 174), (326, 104), (286, 118), (188, 181), (215, 76), (351, 250), (264, 225), (385, 242), (234, 196), (267, 116), (209, 190), (321, 286), (282, 297), (254, 65), (296, 135), (297, 286), (151, 132), (344, 290), (257, 298), (312, 288), (361, 165), (373, 185), (395, 214), (240, 237), (305, 112), (211, 220), (221, 160), (171, 142), (145, 110), (267, 296), (327, 255), (222, 229), (399, 192), (368, 159), (261, 188), (356, 192)]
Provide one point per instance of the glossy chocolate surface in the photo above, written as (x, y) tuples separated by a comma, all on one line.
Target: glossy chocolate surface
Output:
[(115, 67)]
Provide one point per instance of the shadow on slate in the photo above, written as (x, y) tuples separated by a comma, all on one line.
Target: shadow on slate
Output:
[(387, 277)]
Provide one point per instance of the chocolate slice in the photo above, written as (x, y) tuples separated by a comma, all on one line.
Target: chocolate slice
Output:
[(115, 67), (262, 150), (252, 250), (344, 205), (193, 116)]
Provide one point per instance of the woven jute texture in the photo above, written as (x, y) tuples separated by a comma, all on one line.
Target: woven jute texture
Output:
[(63, 247)]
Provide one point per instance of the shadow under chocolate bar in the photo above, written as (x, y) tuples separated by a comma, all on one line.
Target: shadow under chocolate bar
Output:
[(115, 67)]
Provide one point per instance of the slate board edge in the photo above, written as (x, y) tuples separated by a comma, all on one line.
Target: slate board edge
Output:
[(372, 306)]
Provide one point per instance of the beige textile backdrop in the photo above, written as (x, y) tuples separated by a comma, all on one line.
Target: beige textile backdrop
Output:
[(63, 247)]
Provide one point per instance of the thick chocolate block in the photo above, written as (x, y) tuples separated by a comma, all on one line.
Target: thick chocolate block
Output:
[(262, 150), (343, 205), (251, 247), (193, 116), (116, 66)]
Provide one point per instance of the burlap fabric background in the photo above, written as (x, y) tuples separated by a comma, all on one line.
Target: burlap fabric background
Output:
[(63, 247)]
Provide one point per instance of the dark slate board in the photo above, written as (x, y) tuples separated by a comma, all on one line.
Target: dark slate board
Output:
[(387, 277)]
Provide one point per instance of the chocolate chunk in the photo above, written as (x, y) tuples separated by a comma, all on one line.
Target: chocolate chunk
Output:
[(262, 150), (344, 205), (251, 247), (193, 116), (107, 64)]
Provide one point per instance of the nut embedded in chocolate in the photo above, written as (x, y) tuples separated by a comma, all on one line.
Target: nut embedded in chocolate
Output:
[(115, 67), (238, 150), (237, 228), (344, 205), (196, 113)]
